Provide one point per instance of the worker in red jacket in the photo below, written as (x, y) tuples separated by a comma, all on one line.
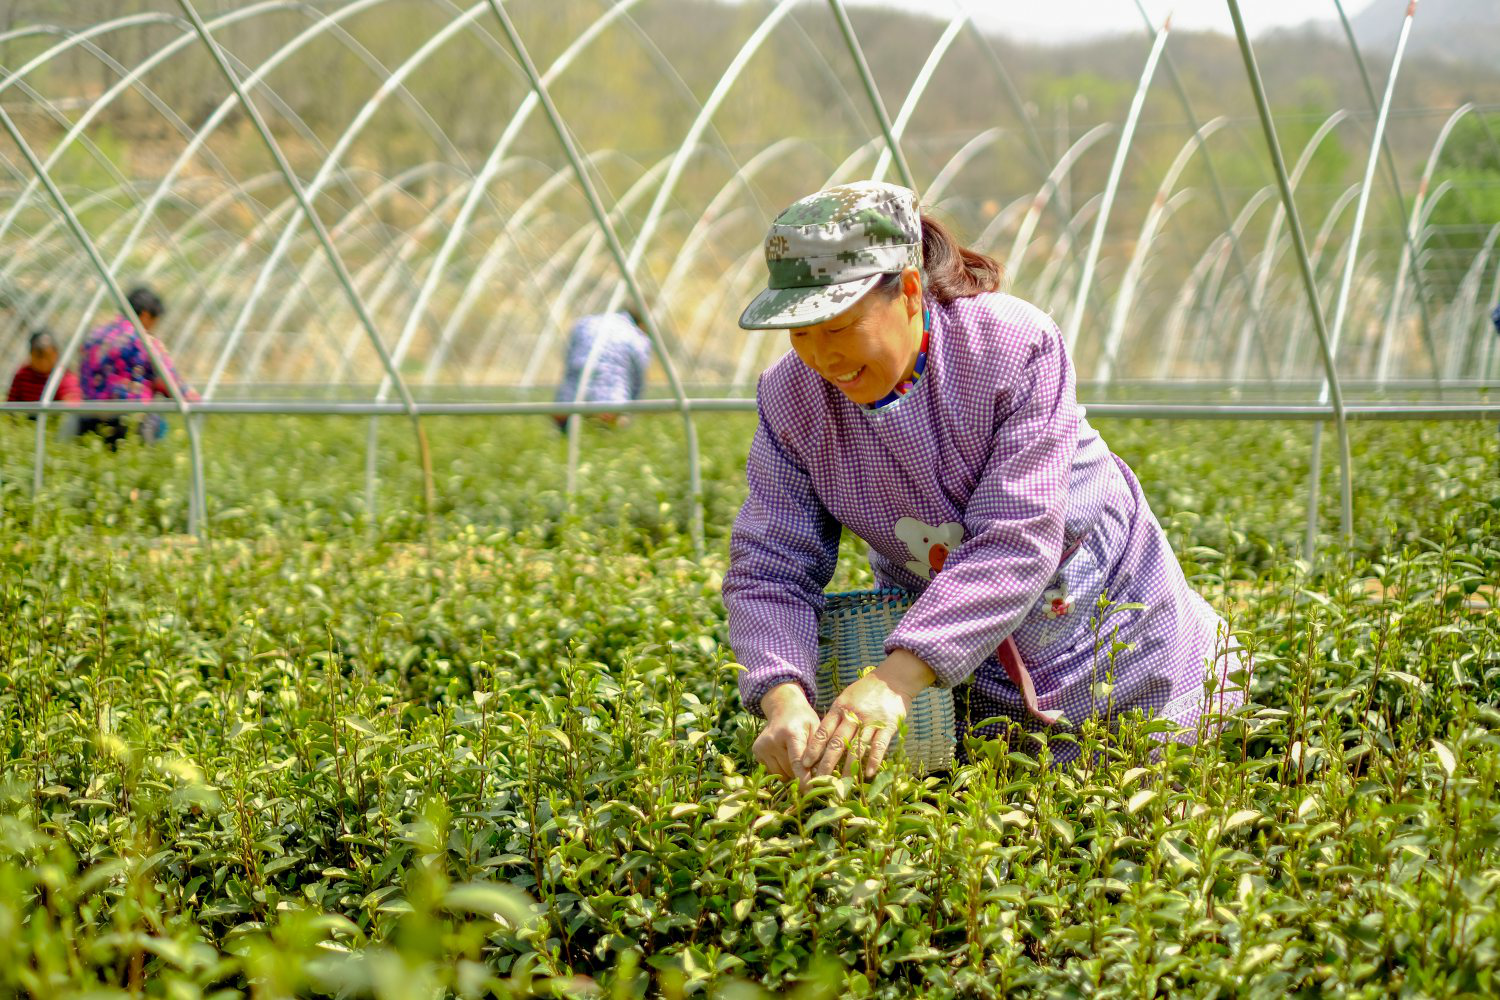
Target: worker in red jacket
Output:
[(31, 378)]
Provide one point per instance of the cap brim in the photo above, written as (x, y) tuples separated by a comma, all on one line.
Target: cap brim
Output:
[(784, 308)]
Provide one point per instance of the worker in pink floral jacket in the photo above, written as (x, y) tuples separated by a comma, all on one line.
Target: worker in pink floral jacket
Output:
[(936, 419), (117, 365)]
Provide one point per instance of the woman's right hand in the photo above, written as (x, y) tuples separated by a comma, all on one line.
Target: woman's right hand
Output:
[(790, 721)]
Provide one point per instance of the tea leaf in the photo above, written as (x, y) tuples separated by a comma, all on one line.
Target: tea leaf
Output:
[(492, 899), (1444, 757)]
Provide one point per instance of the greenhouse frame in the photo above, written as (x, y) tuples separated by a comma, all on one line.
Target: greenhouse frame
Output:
[(355, 266)]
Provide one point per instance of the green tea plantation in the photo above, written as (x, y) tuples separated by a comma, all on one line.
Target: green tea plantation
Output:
[(499, 752)]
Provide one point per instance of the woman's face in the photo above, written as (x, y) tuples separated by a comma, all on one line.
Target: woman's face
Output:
[(867, 349), (44, 360)]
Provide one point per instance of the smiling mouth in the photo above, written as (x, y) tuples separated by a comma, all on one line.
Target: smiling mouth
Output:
[(850, 377)]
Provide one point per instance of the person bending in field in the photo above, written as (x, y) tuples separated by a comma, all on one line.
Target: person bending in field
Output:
[(117, 365), (935, 418), (31, 378), (607, 360)]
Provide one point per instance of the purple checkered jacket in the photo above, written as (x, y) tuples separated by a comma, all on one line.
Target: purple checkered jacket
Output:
[(987, 471)]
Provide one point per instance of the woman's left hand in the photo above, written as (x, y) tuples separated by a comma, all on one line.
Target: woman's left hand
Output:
[(863, 719)]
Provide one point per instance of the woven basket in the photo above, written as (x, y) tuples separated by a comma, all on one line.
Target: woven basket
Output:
[(851, 639)]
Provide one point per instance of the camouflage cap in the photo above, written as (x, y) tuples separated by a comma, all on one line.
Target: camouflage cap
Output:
[(828, 249)]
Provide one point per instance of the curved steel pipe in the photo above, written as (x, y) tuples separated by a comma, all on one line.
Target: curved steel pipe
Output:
[(1319, 247), (892, 144), (707, 222), (956, 163), (584, 266), (195, 501), (516, 222), (128, 81), (1460, 314), (164, 187), (1155, 216), (328, 167), (695, 472), (1310, 284), (1061, 256), (1177, 315), (1026, 114), (1408, 248), (1050, 187), (487, 173), (692, 139), (1136, 272), (1393, 176), (403, 248), (305, 277), (1341, 305), (1241, 265), (914, 94), (332, 26), (334, 259), (1116, 171), (1273, 235), (360, 226), (493, 342)]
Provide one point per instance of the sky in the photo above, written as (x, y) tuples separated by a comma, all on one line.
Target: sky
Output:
[(1062, 20)]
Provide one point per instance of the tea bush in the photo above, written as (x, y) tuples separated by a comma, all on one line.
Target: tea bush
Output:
[(324, 753)]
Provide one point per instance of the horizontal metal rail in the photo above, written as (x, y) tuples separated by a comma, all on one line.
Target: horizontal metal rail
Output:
[(1147, 410), (1390, 385), (361, 390)]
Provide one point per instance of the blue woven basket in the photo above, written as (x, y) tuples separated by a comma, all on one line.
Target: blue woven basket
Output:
[(851, 639)]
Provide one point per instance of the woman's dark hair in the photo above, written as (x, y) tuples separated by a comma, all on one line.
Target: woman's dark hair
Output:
[(952, 270), (41, 340), (143, 300)]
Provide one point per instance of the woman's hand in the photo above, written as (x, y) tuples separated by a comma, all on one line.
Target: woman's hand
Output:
[(864, 717), (790, 720)]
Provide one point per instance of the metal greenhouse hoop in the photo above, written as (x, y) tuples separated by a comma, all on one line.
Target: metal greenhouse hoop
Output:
[(332, 270)]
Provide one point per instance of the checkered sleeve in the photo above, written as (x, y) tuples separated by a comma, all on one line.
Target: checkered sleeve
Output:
[(782, 553), (1013, 522)]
